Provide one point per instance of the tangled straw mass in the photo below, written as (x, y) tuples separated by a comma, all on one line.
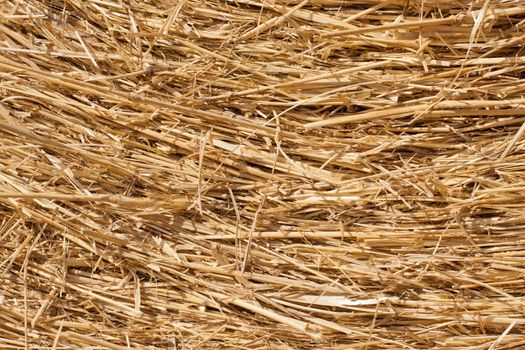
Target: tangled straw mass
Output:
[(262, 174)]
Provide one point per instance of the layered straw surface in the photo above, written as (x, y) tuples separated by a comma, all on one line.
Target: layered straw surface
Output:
[(247, 174)]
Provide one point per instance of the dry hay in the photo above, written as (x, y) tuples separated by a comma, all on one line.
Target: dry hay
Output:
[(246, 174)]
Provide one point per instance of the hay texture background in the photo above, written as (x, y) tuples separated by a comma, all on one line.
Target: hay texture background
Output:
[(274, 174)]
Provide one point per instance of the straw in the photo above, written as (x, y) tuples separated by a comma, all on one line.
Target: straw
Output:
[(300, 174)]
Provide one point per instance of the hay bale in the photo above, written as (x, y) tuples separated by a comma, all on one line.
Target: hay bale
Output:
[(262, 174)]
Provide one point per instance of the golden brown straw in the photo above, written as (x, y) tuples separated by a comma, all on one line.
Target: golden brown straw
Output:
[(247, 174)]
